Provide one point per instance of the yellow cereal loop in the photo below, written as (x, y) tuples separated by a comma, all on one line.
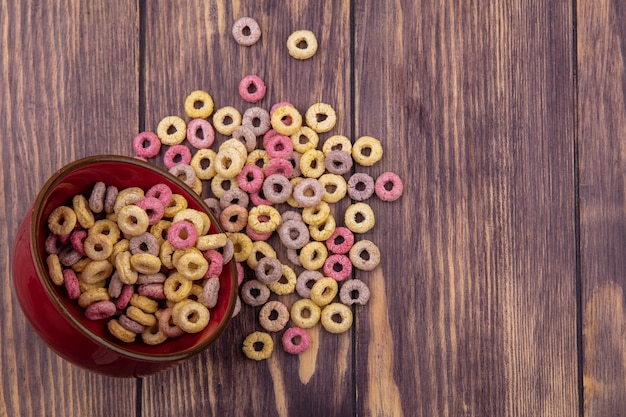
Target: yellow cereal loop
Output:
[(302, 44), (84, 215), (335, 188), (359, 218), (106, 227), (177, 204), (153, 336), (193, 216), (336, 318), (206, 223), (304, 139), (127, 196), (258, 157), (266, 226), (312, 163), (337, 143), (320, 117), (203, 163), (140, 316), (145, 263), (258, 346), (228, 162), (120, 332), (147, 305), (316, 214), (242, 246), (313, 255), (84, 287), (220, 184), (80, 265), (235, 144), (366, 151), (166, 252), (260, 250), (286, 120), (226, 120), (199, 105), (133, 220), (324, 291), (213, 241), (96, 271), (93, 295), (305, 313), (62, 221), (176, 287), (197, 186), (192, 265), (191, 316), (159, 230), (323, 231), (55, 269), (286, 284), (291, 201), (124, 270), (180, 252), (98, 247), (121, 246), (172, 130)]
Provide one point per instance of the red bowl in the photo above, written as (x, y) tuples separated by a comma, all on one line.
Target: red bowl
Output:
[(60, 321)]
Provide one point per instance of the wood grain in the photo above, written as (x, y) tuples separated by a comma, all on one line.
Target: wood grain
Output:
[(61, 99), (477, 316), (601, 135)]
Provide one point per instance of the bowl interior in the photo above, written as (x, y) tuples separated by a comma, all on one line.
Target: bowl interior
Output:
[(122, 172)]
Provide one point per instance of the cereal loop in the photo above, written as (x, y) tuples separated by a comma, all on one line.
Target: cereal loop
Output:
[(367, 150), (121, 333), (364, 255), (177, 154), (360, 186), (245, 133), (286, 120), (302, 44), (182, 235), (254, 293), (338, 267), (320, 117), (336, 318), (191, 316), (304, 139), (340, 241), (203, 162), (305, 313), (199, 104), (359, 218), (277, 188), (258, 346), (246, 31), (335, 187), (286, 284), (337, 143), (234, 218), (146, 145), (324, 291), (273, 316), (313, 255), (84, 216), (226, 120), (259, 224), (354, 291), (252, 88), (133, 220), (389, 186), (62, 221), (296, 340), (171, 130), (268, 270), (312, 163)]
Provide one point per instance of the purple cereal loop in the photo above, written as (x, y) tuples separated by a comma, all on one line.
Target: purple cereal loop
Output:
[(96, 198), (162, 192), (71, 284), (153, 208), (246, 135), (52, 244), (254, 83), (290, 215), (154, 291), (340, 241), (279, 166), (214, 205), (295, 161), (185, 173), (237, 308), (158, 278), (246, 37), (109, 198), (175, 155), (338, 162), (308, 192), (146, 145), (294, 256), (127, 292), (254, 293), (200, 134), (338, 267), (294, 234), (182, 235), (115, 285), (349, 288), (277, 188), (278, 146), (296, 340), (240, 272), (130, 324), (389, 186), (216, 263), (257, 119), (227, 251), (100, 310), (167, 328), (144, 243), (268, 270), (234, 196), (210, 292), (68, 256), (250, 178), (305, 278), (360, 186)]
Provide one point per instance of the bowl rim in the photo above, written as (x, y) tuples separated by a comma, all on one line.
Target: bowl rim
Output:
[(42, 273)]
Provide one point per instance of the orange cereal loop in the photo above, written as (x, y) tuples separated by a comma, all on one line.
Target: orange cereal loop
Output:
[(302, 44), (304, 139), (226, 120), (147, 305), (366, 151), (286, 284), (337, 143), (313, 255), (305, 313), (96, 271), (84, 216), (62, 221), (203, 163), (321, 117), (177, 203), (120, 332), (336, 318), (199, 105), (145, 263), (124, 269), (93, 295), (172, 130), (106, 227), (54, 269), (191, 316), (98, 247), (286, 120), (141, 317), (242, 246), (359, 218), (258, 346), (176, 287)]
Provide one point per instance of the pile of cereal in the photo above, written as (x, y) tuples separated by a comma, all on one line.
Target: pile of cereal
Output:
[(140, 259), (274, 180)]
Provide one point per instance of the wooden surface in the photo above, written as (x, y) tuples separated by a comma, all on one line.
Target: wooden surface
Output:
[(501, 286)]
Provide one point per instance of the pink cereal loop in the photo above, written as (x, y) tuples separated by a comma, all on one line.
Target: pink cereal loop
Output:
[(146, 145), (289, 340), (268, 135), (78, 238), (279, 166), (100, 310), (216, 263), (338, 267), (154, 291), (162, 192), (71, 284), (340, 241), (182, 235), (256, 236), (259, 199), (388, 186), (240, 273), (168, 329), (250, 178), (280, 104), (127, 292), (278, 146), (176, 155), (200, 134), (256, 84), (153, 207), (52, 244)]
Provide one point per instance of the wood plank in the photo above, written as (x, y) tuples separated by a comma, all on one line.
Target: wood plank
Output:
[(601, 134), (190, 47), (474, 104), (61, 99)]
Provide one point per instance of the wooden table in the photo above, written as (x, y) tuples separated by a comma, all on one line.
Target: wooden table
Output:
[(500, 291)]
